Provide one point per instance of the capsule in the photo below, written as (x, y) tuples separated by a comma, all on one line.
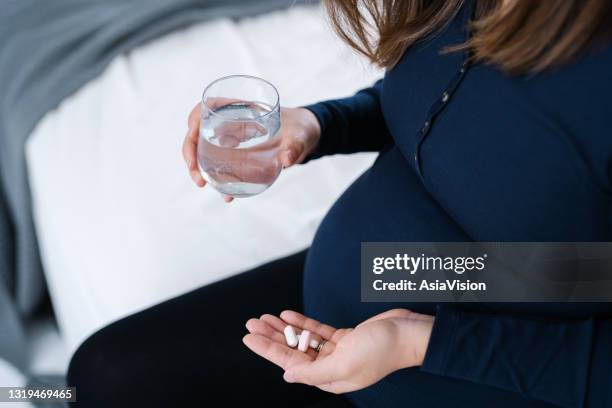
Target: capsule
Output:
[(290, 336), (304, 341)]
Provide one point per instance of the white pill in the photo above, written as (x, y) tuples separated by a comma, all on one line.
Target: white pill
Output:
[(290, 336), (304, 341), (314, 343)]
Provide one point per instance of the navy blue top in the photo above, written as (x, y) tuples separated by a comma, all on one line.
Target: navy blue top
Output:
[(470, 153)]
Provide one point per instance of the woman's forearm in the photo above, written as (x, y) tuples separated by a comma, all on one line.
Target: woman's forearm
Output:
[(353, 124), (567, 363)]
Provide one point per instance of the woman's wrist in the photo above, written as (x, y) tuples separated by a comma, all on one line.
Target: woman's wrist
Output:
[(312, 128), (413, 339)]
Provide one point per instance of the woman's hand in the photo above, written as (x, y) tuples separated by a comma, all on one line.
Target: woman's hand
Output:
[(299, 135), (351, 359)]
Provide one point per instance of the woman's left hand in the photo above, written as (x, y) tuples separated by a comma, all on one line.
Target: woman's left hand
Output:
[(351, 359)]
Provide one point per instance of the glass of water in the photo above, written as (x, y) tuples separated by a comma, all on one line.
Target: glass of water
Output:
[(239, 143)]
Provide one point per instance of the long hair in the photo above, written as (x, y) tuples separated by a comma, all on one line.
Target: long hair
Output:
[(519, 36)]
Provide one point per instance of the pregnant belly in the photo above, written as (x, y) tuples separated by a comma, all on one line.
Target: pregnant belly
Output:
[(387, 203)]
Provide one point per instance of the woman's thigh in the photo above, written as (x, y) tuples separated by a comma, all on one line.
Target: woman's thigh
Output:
[(188, 351)]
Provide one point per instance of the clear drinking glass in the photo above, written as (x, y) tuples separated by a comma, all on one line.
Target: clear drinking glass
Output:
[(238, 144)]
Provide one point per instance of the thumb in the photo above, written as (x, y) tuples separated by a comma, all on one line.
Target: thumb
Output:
[(289, 156), (291, 152)]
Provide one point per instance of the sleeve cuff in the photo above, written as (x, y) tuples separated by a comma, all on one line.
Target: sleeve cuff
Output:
[(441, 341), (321, 113)]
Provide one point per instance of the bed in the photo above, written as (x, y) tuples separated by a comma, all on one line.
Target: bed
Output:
[(119, 223)]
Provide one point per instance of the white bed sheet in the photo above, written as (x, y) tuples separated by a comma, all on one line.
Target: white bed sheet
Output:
[(121, 226)]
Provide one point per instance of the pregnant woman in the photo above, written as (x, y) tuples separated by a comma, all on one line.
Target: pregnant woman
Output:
[(494, 123)]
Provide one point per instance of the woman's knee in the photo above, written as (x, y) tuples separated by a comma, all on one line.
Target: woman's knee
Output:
[(100, 371)]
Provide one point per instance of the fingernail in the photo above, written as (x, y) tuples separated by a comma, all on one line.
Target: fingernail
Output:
[(189, 163), (288, 377)]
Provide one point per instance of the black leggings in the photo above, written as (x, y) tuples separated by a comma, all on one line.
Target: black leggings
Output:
[(188, 351)]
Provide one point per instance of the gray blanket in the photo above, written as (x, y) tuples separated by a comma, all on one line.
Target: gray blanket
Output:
[(48, 50)]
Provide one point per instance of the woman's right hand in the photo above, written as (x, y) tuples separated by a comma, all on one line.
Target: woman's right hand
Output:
[(299, 136)]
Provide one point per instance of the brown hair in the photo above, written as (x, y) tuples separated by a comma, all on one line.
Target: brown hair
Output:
[(519, 36)]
